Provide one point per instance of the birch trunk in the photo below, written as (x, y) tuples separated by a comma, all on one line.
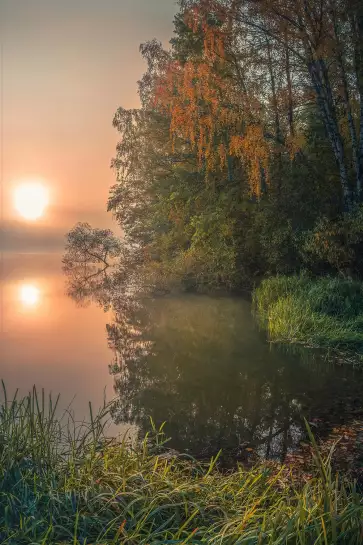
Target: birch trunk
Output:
[(323, 91)]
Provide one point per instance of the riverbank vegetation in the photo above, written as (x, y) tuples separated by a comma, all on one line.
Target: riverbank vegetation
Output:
[(244, 161), (323, 312), (245, 157), (66, 483)]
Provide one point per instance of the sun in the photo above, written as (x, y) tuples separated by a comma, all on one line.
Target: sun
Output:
[(29, 295), (31, 200)]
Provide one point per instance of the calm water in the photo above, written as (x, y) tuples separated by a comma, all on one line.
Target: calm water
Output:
[(46, 339), (196, 362)]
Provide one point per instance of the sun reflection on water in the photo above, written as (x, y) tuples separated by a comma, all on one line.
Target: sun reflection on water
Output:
[(29, 295)]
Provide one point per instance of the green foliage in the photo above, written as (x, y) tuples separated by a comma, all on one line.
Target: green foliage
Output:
[(337, 243), (86, 245), (228, 171), (321, 312), (273, 289), (61, 483)]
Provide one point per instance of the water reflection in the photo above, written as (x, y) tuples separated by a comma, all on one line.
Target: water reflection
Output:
[(48, 341), (201, 365), (29, 295)]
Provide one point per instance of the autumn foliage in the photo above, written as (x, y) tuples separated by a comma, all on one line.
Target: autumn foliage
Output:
[(205, 110), (249, 138)]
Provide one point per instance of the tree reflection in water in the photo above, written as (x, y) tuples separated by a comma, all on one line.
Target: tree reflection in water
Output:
[(201, 365)]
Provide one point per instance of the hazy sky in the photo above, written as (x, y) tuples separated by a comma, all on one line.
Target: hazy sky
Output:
[(68, 65)]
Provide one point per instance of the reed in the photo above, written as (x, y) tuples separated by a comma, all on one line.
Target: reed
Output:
[(66, 483)]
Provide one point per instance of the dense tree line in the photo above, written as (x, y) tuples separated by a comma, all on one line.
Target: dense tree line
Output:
[(245, 157)]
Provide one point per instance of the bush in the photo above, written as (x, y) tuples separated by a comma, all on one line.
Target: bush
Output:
[(336, 244)]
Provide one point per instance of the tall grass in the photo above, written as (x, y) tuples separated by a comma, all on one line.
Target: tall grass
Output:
[(326, 312), (63, 483)]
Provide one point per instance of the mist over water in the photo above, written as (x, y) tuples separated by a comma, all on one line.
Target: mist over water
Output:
[(198, 363)]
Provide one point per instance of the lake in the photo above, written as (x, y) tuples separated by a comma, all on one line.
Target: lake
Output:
[(198, 363)]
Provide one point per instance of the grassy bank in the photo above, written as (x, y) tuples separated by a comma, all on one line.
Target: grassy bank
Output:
[(65, 484), (325, 312)]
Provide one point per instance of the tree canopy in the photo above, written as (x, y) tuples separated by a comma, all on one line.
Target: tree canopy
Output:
[(245, 157)]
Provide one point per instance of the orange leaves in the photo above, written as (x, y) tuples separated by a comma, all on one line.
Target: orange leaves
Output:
[(213, 44), (236, 146), (202, 112), (222, 155), (199, 17), (190, 94), (188, 81), (197, 101), (254, 150), (206, 109)]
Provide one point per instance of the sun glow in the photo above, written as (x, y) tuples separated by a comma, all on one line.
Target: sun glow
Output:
[(31, 200), (29, 295)]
